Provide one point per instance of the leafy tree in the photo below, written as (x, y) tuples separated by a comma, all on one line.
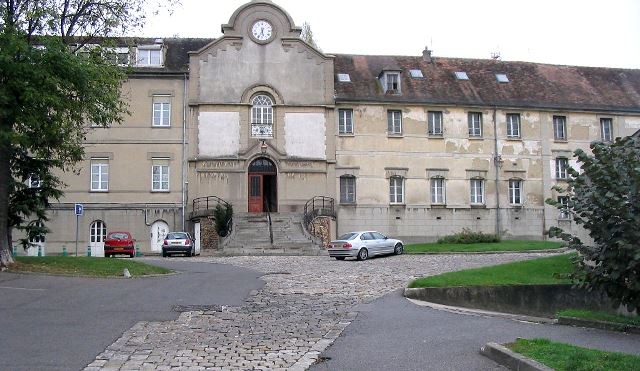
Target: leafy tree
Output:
[(48, 94), (604, 198)]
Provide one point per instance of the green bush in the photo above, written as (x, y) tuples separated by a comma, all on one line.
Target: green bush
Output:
[(469, 236), (223, 215)]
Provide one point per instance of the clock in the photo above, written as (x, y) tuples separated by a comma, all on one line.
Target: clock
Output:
[(262, 30)]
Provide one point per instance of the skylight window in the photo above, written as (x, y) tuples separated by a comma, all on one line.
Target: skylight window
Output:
[(344, 77), (416, 74), (460, 75), (501, 77)]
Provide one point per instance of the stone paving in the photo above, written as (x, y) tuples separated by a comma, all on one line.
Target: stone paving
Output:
[(302, 309)]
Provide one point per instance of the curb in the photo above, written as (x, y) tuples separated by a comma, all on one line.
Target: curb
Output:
[(546, 251), (512, 360), (601, 325)]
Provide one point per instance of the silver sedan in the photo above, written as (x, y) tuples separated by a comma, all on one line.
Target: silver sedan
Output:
[(362, 245)]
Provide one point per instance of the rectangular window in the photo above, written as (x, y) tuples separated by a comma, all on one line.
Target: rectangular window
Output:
[(345, 121), (564, 211), (392, 80), (513, 125), (606, 130), (475, 124), (515, 191), (150, 56), (435, 123), (396, 190), (347, 189), (160, 176), (559, 127), (477, 191), (437, 191), (394, 122), (99, 175), (561, 168), (34, 181), (161, 111)]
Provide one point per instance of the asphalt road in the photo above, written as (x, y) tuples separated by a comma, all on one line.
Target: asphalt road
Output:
[(392, 333), (62, 323)]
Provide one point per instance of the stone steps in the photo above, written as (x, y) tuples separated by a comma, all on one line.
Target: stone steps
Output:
[(250, 236)]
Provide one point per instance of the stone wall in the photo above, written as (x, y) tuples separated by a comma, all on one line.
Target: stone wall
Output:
[(209, 239)]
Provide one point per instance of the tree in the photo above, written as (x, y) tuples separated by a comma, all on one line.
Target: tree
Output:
[(307, 35), (604, 198), (48, 94)]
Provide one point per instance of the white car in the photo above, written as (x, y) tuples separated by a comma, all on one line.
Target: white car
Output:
[(362, 245)]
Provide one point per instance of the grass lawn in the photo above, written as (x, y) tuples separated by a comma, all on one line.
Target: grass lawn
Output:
[(561, 356), (512, 245), (84, 266), (599, 316), (552, 270)]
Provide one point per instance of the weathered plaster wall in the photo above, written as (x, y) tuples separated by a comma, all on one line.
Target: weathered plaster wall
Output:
[(218, 134)]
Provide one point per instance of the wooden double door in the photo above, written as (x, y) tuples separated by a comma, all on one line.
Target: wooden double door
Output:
[(263, 186)]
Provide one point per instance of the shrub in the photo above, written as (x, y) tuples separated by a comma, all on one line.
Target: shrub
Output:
[(604, 198), (469, 236), (223, 215)]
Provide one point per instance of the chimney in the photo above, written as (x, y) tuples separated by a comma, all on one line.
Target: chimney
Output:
[(426, 54)]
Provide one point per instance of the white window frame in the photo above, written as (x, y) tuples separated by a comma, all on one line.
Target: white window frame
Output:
[(99, 180), (161, 116), (394, 122), (475, 124), (560, 128), (34, 181), (97, 231), (396, 190), (392, 82), (515, 191), (513, 125), (438, 191), (149, 56), (160, 177), (476, 186), (40, 237), (435, 125), (562, 165), (345, 121), (606, 129), (564, 213), (262, 116), (347, 189)]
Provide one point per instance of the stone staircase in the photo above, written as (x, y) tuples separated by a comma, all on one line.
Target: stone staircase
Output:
[(250, 236)]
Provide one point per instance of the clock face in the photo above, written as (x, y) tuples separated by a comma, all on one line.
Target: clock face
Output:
[(262, 30)]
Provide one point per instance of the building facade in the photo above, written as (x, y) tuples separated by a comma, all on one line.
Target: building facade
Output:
[(413, 146)]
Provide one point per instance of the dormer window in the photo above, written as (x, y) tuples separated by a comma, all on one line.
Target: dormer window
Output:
[(149, 56), (391, 82)]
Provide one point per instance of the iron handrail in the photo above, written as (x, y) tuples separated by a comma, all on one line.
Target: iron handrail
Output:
[(318, 206), (209, 202)]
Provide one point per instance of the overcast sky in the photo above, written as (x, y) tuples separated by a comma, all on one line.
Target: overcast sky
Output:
[(603, 33)]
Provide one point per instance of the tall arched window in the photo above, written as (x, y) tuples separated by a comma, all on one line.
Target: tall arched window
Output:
[(261, 117), (98, 232)]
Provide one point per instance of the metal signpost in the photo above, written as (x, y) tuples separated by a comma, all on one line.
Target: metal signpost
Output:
[(79, 209)]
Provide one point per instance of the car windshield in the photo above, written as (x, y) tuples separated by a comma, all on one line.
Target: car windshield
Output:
[(177, 236), (347, 236), (118, 236)]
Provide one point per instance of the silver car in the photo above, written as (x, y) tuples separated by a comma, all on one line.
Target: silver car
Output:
[(362, 245)]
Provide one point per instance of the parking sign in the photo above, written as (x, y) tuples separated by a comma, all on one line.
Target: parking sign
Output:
[(79, 209)]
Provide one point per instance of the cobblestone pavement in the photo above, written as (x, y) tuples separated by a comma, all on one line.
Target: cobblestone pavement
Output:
[(302, 309)]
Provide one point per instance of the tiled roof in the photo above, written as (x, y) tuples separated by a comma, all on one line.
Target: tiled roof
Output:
[(531, 85)]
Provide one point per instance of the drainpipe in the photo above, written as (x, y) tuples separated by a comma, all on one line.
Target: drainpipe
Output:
[(184, 149), (496, 163)]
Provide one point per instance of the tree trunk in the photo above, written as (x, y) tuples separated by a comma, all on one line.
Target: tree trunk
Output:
[(6, 257)]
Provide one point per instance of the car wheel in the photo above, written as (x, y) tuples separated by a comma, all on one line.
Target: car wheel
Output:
[(398, 249), (363, 254), (164, 254), (107, 255), (339, 257)]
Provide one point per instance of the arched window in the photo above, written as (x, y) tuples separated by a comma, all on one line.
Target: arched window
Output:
[(261, 117), (262, 165), (39, 236), (98, 232)]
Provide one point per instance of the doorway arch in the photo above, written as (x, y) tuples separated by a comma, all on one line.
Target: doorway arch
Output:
[(262, 183)]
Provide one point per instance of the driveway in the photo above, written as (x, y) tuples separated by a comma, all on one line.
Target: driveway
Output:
[(62, 323)]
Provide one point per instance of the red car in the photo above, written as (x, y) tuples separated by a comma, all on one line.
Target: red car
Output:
[(119, 243)]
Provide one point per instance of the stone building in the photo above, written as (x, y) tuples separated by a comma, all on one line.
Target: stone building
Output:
[(413, 146)]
